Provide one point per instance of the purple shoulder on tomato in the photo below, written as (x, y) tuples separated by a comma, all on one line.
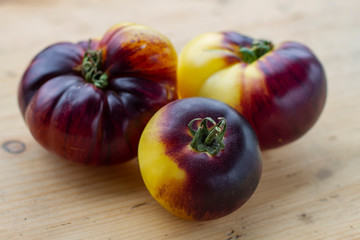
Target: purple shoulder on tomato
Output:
[(237, 39), (235, 170), (295, 81), (55, 60)]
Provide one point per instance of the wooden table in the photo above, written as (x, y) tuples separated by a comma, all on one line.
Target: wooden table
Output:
[(309, 189)]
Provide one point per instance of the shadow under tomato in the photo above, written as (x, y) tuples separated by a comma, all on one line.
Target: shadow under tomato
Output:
[(106, 181)]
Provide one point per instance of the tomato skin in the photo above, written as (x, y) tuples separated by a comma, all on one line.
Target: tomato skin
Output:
[(195, 185), (281, 94), (83, 123)]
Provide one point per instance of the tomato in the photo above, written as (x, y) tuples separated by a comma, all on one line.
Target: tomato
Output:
[(280, 89), (89, 101), (199, 158)]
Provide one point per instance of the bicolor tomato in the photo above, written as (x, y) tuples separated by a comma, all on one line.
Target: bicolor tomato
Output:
[(89, 101), (199, 158), (280, 89)]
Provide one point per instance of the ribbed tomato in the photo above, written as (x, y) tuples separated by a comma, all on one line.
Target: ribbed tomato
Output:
[(89, 101)]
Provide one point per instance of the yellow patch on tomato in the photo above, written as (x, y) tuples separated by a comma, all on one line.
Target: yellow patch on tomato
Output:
[(161, 175), (224, 85), (119, 26), (235, 85), (200, 59), (255, 78)]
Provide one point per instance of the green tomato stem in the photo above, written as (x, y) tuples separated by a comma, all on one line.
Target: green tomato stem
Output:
[(208, 140), (257, 50), (91, 68)]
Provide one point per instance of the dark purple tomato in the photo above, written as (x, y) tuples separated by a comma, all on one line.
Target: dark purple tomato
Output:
[(199, 158), (89, 101)]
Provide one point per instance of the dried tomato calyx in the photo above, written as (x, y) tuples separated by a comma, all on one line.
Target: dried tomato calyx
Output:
[(257, 50), (91, 68), (208, 140)]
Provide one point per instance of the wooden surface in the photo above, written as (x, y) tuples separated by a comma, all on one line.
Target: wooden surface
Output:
[(309, 189)]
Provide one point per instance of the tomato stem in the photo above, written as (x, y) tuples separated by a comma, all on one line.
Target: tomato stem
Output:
[(257, 50), (208, 140), (91, 67)]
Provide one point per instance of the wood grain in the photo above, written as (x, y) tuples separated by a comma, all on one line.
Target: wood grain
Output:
[(309, 189)]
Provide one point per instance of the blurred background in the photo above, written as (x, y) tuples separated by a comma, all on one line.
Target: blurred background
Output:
[(24, 21)]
